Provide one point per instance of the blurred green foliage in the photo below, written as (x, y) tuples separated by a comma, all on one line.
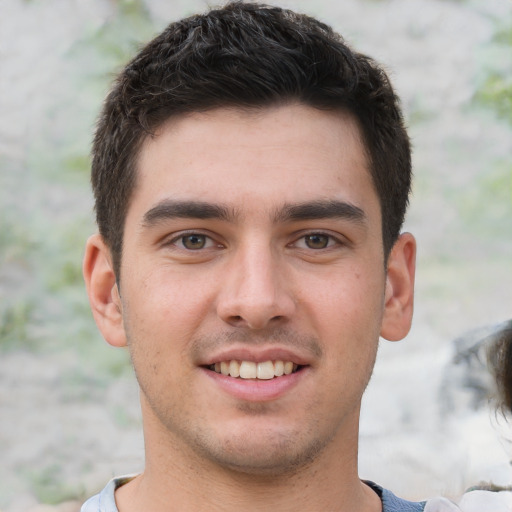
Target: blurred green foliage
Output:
[(45, 218), (47, 485), (13, 325), (44, 307), (487, 205), (496, 90)]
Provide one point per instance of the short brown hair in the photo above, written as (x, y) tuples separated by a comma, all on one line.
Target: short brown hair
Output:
[(246, 55)]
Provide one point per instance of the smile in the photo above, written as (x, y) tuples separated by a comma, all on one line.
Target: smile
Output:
[(250, 370)]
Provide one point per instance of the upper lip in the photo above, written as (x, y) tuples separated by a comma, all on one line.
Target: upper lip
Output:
[(256, 355)]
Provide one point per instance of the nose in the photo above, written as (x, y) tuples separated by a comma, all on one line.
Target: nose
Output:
[(255, 292)]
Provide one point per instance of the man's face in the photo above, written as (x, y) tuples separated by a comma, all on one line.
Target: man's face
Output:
[(253, 244)]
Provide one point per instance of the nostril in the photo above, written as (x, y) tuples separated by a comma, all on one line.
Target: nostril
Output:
[(235, 320)]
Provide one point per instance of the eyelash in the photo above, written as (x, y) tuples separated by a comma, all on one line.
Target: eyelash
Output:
[(331, 240), (178, 241)]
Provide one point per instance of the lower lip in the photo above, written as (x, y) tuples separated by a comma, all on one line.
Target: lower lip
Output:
[(257, 390)]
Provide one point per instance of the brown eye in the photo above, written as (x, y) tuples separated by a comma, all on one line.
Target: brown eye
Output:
[(194, 242), (316, 241)]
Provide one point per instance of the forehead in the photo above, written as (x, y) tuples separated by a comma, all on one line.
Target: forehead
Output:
[(255, 159)]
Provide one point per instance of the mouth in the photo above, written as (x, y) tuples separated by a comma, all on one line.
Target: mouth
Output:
[(266, 370)]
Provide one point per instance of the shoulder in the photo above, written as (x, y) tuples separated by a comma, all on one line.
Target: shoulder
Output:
[(105, 501), (474, 501), (392, 503), (486, 501), (92, 504)]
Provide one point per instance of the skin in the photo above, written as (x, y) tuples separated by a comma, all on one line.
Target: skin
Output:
[(252, 235)]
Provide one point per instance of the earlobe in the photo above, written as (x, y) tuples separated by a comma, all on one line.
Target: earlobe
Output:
[(399, 294), (100, 281)]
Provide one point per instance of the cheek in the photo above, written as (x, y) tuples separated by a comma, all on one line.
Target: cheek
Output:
[(346, 312), (163, 311), (348, 300)]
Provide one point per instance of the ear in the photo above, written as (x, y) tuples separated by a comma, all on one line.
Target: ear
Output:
[(399, 294), (100, 281)]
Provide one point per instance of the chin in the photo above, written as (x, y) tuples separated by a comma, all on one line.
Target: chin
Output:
[(267, 455)]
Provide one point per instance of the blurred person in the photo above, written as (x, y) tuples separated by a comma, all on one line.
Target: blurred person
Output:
[(251, 175), (499, 359), (489, 497)]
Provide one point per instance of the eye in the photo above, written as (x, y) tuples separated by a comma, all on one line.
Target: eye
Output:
[(317, 241), (193, 242)]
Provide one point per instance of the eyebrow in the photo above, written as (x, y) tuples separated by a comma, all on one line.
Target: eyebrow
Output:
[(328, 209), (321, 209), (170, 209)]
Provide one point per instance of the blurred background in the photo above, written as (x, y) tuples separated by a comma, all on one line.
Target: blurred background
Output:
[(69, 414)]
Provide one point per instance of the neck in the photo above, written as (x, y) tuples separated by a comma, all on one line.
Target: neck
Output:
[(177, 478)]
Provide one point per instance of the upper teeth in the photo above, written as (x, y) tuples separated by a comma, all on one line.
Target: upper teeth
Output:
[(251, 370)]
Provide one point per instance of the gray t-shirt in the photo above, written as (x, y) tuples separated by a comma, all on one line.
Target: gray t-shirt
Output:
[(105, 501)]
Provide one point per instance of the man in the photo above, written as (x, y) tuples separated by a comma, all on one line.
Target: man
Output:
[(251, 175)]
